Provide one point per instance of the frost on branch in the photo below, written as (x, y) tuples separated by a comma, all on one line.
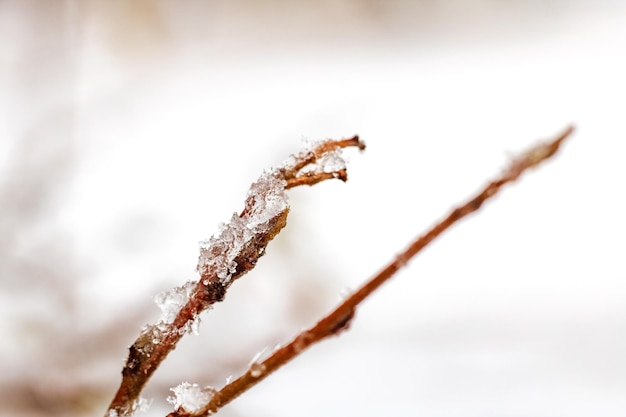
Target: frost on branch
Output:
[(317, 162), (190, 397), (137, 407), (171, 301), (265, 202), (233, 251)]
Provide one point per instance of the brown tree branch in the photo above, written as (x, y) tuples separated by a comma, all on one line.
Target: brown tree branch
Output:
[(224, 259), (339, 319)]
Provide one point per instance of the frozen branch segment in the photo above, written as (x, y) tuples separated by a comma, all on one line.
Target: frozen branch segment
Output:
[(137, 407), (238, 244), (170, 302), (266, 201), (324, 161), (232, 252), (318, 158)]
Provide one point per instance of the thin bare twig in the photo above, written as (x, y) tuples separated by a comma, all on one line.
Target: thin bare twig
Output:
[(339, 319), (225, 259)]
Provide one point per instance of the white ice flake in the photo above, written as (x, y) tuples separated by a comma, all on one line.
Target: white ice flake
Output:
[(194, 327), (170, 302), (191, 397), (141, 405), (270, 200), (331, 162), (266, 200), (219, 252)]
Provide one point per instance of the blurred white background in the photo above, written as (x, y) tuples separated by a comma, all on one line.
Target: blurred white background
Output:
[(129, 130)]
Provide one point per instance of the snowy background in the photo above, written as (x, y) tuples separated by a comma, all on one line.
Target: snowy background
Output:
[(129, 130)]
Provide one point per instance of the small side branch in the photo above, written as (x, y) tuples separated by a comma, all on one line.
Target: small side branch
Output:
[(339, 319)]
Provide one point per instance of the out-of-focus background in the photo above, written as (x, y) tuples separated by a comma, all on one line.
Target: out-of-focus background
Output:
[(130, 129)]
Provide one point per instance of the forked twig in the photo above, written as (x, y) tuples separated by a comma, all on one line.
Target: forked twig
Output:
[(223, 259), (339, 319)]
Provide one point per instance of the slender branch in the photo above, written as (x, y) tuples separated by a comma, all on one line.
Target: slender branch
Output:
[(339, 319), (224, 259)]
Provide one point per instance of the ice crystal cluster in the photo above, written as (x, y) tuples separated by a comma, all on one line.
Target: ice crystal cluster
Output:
[(332, 161), (171, 301), (191, 397), (139, 406), (266, 199), (329, 161)]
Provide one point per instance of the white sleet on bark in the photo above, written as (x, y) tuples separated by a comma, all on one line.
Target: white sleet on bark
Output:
[(171, 301), (191, 397), (331, 161), (139, 406), (270, 200), (266, 200)]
